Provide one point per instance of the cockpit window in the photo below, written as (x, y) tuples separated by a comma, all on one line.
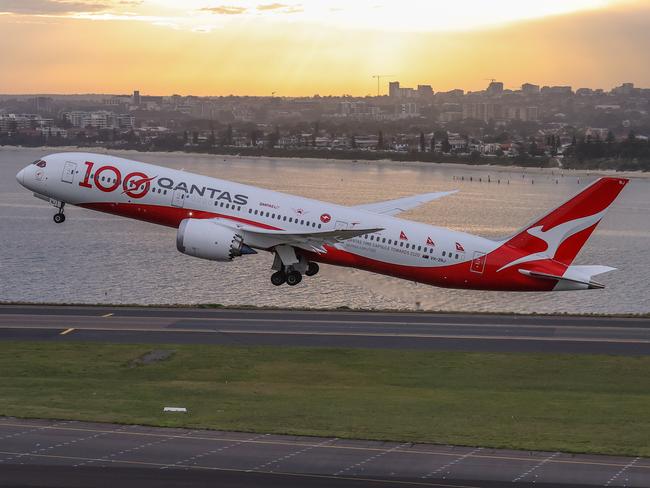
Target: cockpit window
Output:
[(40, 163)]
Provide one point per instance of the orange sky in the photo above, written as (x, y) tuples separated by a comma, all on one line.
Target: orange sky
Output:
[(308, 47)]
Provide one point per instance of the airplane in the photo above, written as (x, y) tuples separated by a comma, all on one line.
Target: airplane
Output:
[(221, 220)]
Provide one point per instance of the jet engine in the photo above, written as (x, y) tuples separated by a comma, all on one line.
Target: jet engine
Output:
[(207, 239)]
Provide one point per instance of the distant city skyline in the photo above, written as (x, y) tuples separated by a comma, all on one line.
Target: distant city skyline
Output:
[(330, 48)]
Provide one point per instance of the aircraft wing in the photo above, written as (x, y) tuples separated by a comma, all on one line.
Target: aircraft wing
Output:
[(393, 207), (309, 241)]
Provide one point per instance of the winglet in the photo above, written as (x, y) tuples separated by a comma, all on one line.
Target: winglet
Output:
[(393, 207)]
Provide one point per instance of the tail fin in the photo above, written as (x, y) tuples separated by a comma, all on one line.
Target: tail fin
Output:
[(561, 233)]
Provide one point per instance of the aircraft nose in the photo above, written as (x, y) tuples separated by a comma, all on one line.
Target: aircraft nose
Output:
[(20, 177)]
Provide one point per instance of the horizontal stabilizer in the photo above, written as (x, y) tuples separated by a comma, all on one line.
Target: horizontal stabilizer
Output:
[(574, 278), (393, 207)]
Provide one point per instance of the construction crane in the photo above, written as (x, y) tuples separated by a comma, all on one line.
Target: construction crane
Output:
[(379, 78)]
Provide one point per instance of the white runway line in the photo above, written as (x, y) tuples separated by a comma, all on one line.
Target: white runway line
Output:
[(372, 458), (452, 463), (625, 468), (537, 466), (194, 459), (293, 454)]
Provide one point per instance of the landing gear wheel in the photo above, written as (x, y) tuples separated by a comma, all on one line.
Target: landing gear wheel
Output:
[(278, 278), (293, 278), (312, 269), (59, 218)]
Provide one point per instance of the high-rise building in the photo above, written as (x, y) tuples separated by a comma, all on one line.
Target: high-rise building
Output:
[(529, 89), (556, 90), (393, 89), (494, 88), (136, 97), (425, 91)]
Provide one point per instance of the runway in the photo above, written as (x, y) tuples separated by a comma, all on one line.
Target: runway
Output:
[(70, 453), (392, 330)]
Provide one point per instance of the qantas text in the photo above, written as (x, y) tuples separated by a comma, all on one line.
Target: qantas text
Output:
[(137, 184)]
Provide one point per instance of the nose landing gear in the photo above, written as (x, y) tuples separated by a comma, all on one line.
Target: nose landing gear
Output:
[(59, 218)]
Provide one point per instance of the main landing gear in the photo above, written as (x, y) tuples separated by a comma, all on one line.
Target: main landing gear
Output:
[(59, 218), (289, 268), (290, 277)]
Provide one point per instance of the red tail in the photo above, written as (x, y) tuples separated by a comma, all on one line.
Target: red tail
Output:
[(561, 233)]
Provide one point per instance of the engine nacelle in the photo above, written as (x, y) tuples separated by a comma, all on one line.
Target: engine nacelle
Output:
[(207, 239)]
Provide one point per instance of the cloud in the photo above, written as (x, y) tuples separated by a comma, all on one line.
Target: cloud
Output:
[(225, 10), (272, 6), (281, 8), (49, 7)]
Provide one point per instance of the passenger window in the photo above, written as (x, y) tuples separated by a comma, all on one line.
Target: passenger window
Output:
[(401, 244), (456, 256), (443, 253), (302, 222), (419, 248), (319, 226)]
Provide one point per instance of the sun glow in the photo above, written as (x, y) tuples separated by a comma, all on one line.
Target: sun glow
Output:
[(303, 47), (405, 16)]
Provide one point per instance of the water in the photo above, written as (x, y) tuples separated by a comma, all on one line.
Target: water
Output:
[(97, 258)]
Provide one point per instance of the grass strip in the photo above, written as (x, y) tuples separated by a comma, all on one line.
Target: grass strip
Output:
[(572, 403)]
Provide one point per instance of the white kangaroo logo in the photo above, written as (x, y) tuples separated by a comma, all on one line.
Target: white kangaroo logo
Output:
[(555, 237)]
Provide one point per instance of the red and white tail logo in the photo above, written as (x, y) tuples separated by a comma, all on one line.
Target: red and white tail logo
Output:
[(402, 236), (561, 233), (430, 242), (459, 247)]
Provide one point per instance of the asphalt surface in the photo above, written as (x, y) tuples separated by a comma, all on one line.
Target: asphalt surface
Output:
[(70, 453), (434, 331)]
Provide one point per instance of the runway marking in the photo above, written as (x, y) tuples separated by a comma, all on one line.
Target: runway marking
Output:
[(341, 447), (208, 453), (66, 331), (452, 463), (371, 458), (427, 336), (293, 454), (388, 482), (307, 321), (124, 451), (53, 446), (625, 468), (536, 467), (604, 340)]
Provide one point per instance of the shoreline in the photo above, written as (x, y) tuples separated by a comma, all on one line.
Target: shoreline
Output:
[(485, 168), (345, 309)]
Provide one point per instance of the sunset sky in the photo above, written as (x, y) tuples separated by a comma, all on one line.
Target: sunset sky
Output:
[(303, 47)]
